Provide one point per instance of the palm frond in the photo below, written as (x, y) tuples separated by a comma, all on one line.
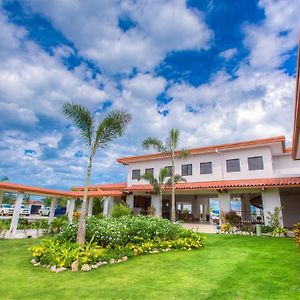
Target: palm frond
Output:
[(82, 119), (153, 181), (154, 143), (163, 174), (177, 178), (173, 138), (111, 127), (183, 154), (5, 178)]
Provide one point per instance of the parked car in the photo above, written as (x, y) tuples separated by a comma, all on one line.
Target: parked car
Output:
[(59, 211), (25, 211), (6, 210), (44, 211)]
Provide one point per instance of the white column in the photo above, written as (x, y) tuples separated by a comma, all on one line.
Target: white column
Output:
[(270, 200), (52, 210), (246, 207), (67, 208), (224, 203), (107, 206), (16, 214), (1, 197), (130, 200), (71, 209), (156, 203), (90, 207)]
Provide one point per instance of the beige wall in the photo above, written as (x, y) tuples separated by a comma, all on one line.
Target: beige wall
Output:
[(290, 201)]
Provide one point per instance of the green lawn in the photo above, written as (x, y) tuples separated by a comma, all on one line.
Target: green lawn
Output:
[(228, 267)]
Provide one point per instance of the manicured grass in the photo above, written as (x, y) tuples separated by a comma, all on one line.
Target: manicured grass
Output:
[(228, 267)]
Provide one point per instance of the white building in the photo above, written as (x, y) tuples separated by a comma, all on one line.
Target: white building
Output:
[(251, 177)]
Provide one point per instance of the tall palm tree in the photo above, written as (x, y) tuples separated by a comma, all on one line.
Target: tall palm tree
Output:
[(169, 148), (160, 182), (111, 127), (2, 179)]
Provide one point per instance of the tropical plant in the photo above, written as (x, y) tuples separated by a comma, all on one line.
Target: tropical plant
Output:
[(232, 217), (111, 127), (2, 179), (120, 210), (160, 182), (169, 148), (274, 217), (279, 231)]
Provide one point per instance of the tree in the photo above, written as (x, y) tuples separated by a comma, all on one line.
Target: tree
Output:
[(169, 148), (110, 127), (159, 183), (2, 179)]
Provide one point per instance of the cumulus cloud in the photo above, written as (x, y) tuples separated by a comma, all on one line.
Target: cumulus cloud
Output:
[(159, 28), (228, 53)]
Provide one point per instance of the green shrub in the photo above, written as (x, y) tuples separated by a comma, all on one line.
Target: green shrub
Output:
[(120, 210), (124, 230), (54, 253), (58, 224), (279, 231)]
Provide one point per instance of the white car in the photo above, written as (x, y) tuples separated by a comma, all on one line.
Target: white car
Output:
[(25, 211), (44, 211), (6, 209)]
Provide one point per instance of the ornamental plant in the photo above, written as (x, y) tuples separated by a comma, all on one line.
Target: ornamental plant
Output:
[(297, 233), (120, 210)]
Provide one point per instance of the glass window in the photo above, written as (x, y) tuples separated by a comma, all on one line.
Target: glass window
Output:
[(255, 163), (186, 170), (136, 174), (149, 171), (206, 168), (233, 165), (169, 170)]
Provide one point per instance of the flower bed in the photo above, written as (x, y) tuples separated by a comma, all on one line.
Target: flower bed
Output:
[(113, 240)]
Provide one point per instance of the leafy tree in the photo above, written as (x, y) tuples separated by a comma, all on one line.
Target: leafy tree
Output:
[(169, 148), (5, 178), (111, 127), (159, 183)]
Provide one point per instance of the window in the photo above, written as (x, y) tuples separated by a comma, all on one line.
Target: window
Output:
[(206, 168), (169, 170), (186, 170), (255, 163), (149, 171), (136, 174), (233, 165)]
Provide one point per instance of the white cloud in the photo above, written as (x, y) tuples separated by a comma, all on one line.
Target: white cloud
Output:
[(228, 53), (160, 27)]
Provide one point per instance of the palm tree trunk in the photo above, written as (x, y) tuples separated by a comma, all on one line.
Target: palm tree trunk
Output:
[(161, 203), (83, 212), (173, 211)]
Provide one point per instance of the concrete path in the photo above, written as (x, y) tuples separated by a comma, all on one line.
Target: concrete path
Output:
[(204, 228)]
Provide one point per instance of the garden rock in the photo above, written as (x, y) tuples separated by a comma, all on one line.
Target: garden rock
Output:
[(53, 268), (120, 260), (33, 261), (94, 266), (37, 264), (85, 268), (124, 258), (74, 266), (112, 261), (58, 270)]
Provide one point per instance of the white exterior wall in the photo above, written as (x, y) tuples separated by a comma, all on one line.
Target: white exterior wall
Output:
[(285, 166), (271, 199), (218, 165), (156, 203)]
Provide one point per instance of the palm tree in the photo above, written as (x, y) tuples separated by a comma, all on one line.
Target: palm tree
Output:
[(5, 178), (159, 183), (111, 127), (169, 148)]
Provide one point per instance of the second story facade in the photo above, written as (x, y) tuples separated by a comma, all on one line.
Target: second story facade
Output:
[(263, 158)]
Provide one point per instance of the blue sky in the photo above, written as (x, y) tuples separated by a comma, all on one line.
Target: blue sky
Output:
[(220, 71)]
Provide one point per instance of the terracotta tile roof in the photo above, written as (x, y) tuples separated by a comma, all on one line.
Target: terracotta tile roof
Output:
[(227, 184), (105, 186), (13, 187), (222, 147)]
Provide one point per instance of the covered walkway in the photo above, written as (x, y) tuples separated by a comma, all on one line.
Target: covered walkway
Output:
[(21, 190)]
